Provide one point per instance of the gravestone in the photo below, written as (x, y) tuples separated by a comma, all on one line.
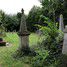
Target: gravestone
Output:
[(64, 50), (23, 34), (39, 32), (61, 25)]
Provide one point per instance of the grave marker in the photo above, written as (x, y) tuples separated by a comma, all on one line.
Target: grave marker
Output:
[(23, 34), (61, 25)]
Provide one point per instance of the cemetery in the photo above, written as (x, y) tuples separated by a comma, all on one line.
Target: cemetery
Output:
[(38, 39)]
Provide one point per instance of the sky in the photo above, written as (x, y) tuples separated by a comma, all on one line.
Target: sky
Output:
[(14, 6)]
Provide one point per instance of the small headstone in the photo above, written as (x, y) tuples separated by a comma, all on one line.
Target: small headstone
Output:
[(64, 50), (65, 30), (61, 25), (39, 32)]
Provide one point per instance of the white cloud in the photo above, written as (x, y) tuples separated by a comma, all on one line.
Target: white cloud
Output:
[(14, 6)]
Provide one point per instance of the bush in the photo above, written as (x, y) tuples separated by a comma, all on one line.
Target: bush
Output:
[(60, 36), (38, 60), (49, 48), (51, 39)]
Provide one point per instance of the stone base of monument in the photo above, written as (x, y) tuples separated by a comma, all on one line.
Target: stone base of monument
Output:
[(24, 52), (28, 51)]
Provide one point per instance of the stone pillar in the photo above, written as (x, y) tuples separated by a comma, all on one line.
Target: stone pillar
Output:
[(23, 34), (61, 25), (64, 50)]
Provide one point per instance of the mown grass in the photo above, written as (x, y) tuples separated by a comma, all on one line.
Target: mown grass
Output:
[(6, 59)]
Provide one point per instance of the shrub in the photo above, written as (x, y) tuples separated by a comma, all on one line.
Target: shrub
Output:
[(38, 60), (60, 36), (51, 41)]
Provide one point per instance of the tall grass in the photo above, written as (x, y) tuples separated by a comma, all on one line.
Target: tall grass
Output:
[(6, 59)]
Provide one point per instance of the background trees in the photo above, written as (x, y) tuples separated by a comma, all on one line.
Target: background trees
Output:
[(10, 22), (54, 9), (50, 8), (33, 18)]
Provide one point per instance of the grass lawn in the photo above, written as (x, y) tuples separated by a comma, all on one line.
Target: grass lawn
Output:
[(6, 59)]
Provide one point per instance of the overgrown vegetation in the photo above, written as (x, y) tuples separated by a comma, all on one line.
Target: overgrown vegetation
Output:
[(7, 52), (42, 59), (50, 8), (47, 45), (50, 41)]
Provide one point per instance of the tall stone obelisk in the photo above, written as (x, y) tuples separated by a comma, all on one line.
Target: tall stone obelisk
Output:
[(23, 34), (61, 25)]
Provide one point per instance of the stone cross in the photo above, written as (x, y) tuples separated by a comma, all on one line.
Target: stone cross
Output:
[(23, 33), (61, 25)]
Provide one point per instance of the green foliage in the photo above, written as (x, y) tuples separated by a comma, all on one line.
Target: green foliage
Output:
[(53, 8), (51, 39), (6, 53), (2, 31), (1, 15), (33, 18), (38, 60), (50, 30), (62, 61), (11, 22), (48, 41), (60, 36)]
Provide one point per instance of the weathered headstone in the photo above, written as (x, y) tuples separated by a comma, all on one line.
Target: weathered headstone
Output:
[(61, 25), (64, 50), (23, 34), (39, 32)]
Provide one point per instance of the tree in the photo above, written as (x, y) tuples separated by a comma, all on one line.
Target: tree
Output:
[(51, 6), (2, 15), (10, 22), (33, 18), (65, 12)]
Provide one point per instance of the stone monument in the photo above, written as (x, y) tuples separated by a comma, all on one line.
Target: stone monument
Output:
[(64, 50), (23, 34), (61, 25)]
